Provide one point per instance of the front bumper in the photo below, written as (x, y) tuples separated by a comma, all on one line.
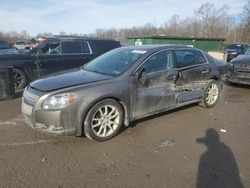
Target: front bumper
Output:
[(239, 77), (56, 122), (38, 120)]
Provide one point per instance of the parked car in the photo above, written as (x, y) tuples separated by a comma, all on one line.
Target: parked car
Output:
[(55, 54), (233, 50), (20, 44), (7, 48), (239, 69), (121, 86)]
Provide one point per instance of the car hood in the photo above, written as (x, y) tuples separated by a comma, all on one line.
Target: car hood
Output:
[(232, 50), (242, 58), (66, 79)]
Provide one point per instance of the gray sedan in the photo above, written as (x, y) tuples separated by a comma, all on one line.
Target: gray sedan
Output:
[(121, 86)]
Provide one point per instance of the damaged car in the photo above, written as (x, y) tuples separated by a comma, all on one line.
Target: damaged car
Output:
[(121, 86), (233, 50), (239, 69)]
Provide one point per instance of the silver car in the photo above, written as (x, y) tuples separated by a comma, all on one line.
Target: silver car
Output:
[(121, 86)]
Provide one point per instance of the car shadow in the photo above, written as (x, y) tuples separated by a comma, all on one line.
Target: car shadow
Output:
[(18, 93), (236, 85), (217, 166)]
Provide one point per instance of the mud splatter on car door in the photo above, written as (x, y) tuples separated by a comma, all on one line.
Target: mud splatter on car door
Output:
[(154, 87)]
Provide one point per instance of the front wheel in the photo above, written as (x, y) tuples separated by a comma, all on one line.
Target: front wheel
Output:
[(104, 120), (211, 94)]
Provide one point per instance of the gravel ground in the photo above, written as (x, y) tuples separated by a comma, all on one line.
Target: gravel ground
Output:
[(217, 55), (188, 147)]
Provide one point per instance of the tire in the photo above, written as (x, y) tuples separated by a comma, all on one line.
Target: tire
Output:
[(20, 79), (211, 94), (104, 120)]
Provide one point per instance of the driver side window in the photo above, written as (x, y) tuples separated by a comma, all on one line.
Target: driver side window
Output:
[(158, 62)]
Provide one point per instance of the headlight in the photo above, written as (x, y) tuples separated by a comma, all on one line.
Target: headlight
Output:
[(59, 101), (234, 53)]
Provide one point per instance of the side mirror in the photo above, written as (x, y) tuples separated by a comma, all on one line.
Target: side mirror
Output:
[(143, 78)]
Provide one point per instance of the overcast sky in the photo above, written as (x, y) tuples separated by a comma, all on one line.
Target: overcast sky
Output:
[(84, 16)]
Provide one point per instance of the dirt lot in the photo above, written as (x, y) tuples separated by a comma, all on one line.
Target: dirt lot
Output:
[(217, 55), (161, 151)]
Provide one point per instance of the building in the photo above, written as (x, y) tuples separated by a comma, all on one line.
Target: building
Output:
[(203, 43)]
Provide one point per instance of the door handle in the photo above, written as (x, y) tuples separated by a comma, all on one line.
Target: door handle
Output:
[(205, 71)]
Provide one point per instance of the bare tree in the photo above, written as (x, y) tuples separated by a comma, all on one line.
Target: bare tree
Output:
[(213, 22), (245, 23), (13, 36), (208, 21)]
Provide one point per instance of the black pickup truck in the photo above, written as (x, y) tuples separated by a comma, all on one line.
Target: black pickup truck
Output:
[(53, 55)]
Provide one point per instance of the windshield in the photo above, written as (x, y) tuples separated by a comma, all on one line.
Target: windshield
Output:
[(247, 51), (114, 62), (234, 46)]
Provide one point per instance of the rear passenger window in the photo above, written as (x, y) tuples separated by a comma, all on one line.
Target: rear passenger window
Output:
[(71, 47), (74, 47), (186, 58), (102, 46)]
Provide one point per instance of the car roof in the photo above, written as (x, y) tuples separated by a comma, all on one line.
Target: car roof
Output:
[(158, 47), (72, 37)]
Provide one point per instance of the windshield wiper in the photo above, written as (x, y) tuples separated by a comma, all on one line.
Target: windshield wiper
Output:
[(104, 73)]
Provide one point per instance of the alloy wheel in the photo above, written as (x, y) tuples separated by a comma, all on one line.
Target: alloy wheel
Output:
[(105, 121), (212, 94)]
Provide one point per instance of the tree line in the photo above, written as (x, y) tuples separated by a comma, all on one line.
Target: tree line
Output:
[(207, 21)]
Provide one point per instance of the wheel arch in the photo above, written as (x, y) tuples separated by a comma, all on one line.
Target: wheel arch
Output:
[(218, 79), (83, 114), (215, 78)]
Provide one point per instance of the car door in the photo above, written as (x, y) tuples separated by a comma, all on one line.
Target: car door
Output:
[(154, 85), (60, 56), (193, 72), (47, 58)]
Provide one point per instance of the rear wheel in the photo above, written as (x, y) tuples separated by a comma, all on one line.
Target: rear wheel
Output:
[(104, 120), (211, 94), (20, 79)]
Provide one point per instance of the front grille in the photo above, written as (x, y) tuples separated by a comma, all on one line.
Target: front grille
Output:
[(242, 67)]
